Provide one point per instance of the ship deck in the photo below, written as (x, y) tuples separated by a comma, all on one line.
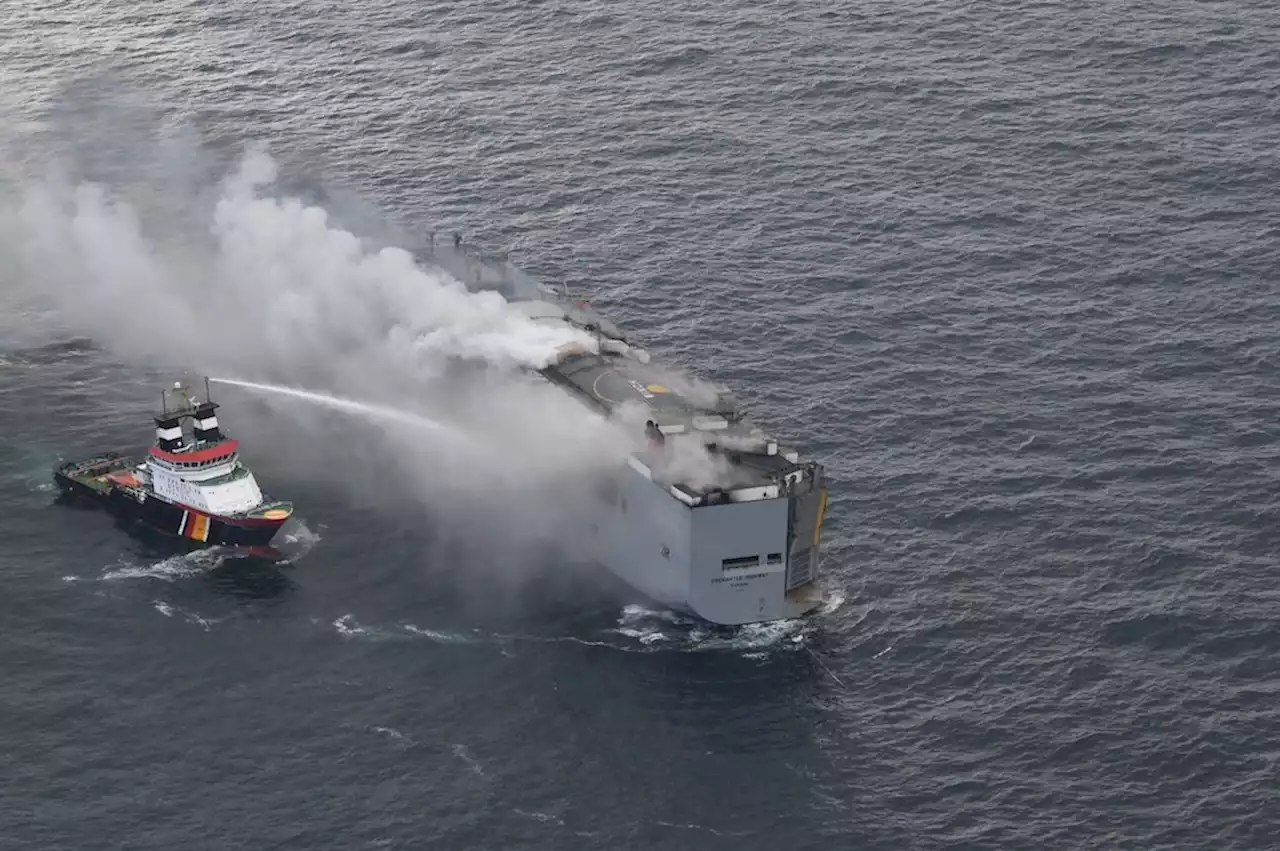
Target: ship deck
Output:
[(610, 380), (99, 471)]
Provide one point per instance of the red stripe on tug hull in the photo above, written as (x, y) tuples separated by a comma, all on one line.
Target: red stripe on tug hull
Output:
[(209, 454)]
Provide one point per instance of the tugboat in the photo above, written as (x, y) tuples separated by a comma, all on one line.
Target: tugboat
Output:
[(192, 483)]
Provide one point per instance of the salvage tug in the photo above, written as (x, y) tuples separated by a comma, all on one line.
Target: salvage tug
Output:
[(192, 483)]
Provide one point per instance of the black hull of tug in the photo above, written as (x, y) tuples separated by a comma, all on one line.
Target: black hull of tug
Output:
[(171, 519)]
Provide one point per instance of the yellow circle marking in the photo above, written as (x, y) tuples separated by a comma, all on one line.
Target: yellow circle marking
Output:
[(656, 388), (275, 514)]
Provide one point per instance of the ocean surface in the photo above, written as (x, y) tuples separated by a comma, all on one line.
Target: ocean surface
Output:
[(1010, 269)]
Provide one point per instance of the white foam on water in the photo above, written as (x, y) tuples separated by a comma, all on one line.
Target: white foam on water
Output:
[(393, 733), (296, 540), (660, 629), (774, 635), (634, 612), (703, 827), (566, 639), (436, 635), (460, 751), (832, 601), (169, 610), (641, 635), (346, 625), (169, 569), (651, 630), (884, 651), (545, 818)]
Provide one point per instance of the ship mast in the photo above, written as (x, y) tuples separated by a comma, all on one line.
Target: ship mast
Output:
[(169, 436), (204, 429), (206, 421)]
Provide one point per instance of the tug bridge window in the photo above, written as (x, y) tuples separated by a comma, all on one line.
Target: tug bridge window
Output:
[(739, 563), (198, 465)]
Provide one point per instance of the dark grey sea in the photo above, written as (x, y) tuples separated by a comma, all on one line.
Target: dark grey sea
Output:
[(1011, 269)]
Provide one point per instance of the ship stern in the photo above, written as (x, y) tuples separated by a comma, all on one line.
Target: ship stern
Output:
[(754, 552)]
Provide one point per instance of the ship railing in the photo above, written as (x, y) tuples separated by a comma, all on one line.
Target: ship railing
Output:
[(473, 264)]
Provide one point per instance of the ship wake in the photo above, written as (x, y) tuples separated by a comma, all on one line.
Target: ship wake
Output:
[(660, 629), (637, 630), (167, 569)]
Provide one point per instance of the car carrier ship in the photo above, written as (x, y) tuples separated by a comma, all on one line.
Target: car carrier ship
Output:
[(742, 549)]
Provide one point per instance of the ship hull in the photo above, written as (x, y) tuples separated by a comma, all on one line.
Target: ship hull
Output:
[(746, 552), (172, 519), (727, 564)]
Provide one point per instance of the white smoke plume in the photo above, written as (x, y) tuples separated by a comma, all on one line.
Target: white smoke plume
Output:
[(267, 288), (279, 283), (250, 283), (685, 459)]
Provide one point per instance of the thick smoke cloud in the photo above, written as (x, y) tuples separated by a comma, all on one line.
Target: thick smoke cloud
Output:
[(243, 280), (266, 287), (273, 282)]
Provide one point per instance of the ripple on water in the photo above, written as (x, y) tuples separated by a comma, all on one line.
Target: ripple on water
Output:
[(1010, 270)]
